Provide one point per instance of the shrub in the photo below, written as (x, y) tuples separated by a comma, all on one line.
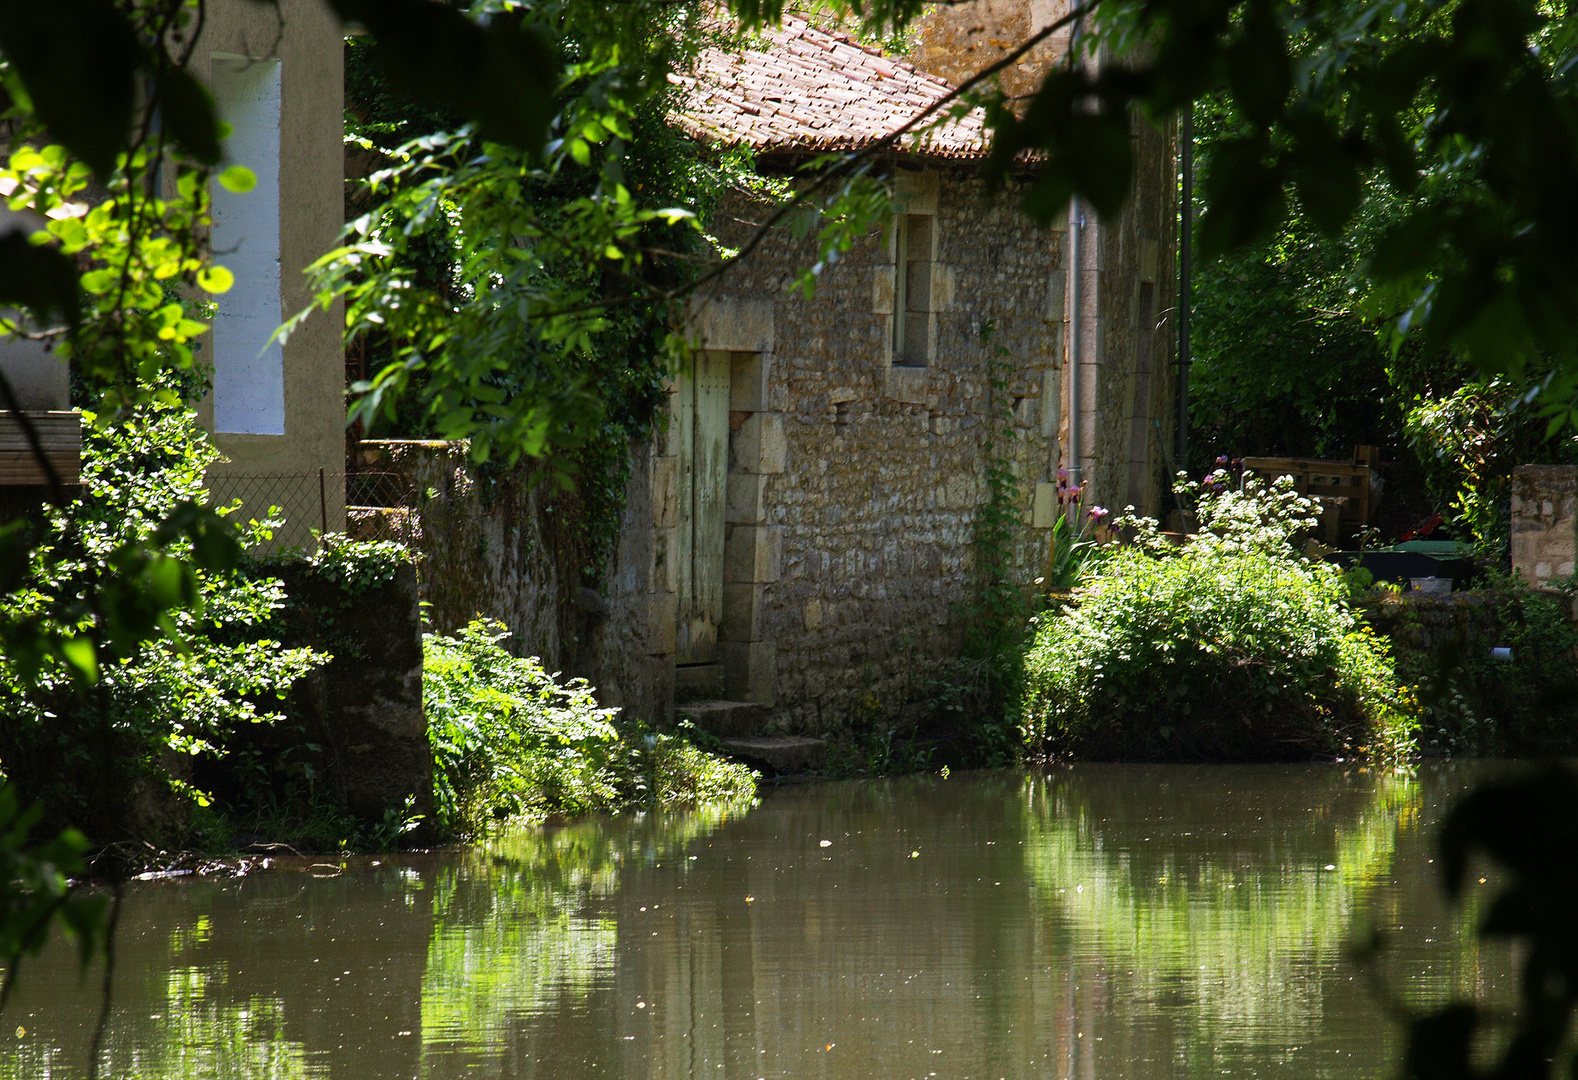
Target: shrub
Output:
[(510, 742), (1229, 649), (113, 757), (1468, 443)]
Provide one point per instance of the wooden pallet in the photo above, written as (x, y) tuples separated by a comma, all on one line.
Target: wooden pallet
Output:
[(61, 435), (1326, 479)]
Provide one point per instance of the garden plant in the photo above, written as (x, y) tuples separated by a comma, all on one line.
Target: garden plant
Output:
[(1232, 647)]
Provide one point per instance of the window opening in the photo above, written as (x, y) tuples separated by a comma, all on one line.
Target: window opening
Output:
[(912, 329)]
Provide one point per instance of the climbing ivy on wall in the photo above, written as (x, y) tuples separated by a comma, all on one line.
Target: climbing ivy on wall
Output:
[(1001, 602)]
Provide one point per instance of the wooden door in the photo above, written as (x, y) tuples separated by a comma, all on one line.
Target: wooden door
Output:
[(701, 439)]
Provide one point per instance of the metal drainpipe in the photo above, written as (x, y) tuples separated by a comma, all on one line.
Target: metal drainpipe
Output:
[(1076, 229), (1185, 275)]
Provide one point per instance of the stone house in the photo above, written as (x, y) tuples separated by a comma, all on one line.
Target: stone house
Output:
[(843, 440), (799, 538)]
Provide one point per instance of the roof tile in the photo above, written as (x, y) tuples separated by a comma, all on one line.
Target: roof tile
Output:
[(808, 89)]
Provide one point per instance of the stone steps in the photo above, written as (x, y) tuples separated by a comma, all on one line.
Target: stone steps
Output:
[(779, 754), (725, 719), (738, 724), (698, 682)]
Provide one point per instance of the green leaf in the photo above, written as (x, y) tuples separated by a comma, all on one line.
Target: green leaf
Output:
[(1243, 197), (16, 547), (78, 60), (1257, 65), (81, 654), (215, 279), (190, 116), (503, 75), (239, 179)]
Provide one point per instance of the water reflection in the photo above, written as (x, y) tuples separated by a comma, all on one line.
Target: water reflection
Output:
[(1111, 922)]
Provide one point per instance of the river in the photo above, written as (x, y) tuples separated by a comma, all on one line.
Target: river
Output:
[(1088, 923)]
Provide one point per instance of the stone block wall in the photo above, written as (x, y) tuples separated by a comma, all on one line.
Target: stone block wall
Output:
[(854, 482), (1544, 522), (1422, 626), (362, 710), (1132, 422), (482, 545), (498, 544)]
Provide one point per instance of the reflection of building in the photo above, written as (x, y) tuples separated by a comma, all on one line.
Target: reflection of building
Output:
[(788, 959), (277, 412)]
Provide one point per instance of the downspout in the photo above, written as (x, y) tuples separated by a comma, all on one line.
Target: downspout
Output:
[(1076, 229), (1185, 276)]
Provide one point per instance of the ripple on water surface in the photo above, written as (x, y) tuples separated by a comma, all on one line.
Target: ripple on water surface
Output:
[(1114, 922)]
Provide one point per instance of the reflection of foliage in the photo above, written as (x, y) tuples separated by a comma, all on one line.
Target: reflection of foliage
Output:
[(511, 935), (37, 874), (1230, 925)]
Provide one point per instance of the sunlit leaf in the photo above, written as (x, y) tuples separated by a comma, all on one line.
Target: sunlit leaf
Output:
[(238, 179)]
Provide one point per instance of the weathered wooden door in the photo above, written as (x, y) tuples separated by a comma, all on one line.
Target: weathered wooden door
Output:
[(701, 439)]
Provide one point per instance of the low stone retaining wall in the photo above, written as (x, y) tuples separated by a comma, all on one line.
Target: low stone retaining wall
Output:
[(1425, 625), (1428, 622), (509, 545), (363, 709)]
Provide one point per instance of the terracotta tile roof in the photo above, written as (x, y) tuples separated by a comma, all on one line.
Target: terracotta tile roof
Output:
[(804, 89)]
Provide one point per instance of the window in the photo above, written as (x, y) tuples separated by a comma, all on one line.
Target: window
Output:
[(249, 363), (913, 322)]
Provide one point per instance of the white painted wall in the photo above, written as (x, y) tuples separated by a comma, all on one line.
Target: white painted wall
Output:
[(249, 367)]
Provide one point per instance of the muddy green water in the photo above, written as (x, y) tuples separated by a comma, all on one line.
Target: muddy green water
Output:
[(1109, 922)]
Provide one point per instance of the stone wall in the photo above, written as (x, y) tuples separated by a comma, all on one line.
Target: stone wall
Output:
[(856, 484), (363, 709), (1544, 522), (1133, 414), (499, 543), (1428, 625)]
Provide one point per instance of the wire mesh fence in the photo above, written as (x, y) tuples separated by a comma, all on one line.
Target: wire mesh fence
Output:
[(304, 503)]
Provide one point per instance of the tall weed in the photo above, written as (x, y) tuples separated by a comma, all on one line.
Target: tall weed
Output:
[(511, 742)]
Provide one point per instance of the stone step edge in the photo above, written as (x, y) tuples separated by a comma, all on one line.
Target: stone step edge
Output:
[(783, 754)]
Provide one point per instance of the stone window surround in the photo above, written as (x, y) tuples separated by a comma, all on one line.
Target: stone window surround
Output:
[(928, 289)]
